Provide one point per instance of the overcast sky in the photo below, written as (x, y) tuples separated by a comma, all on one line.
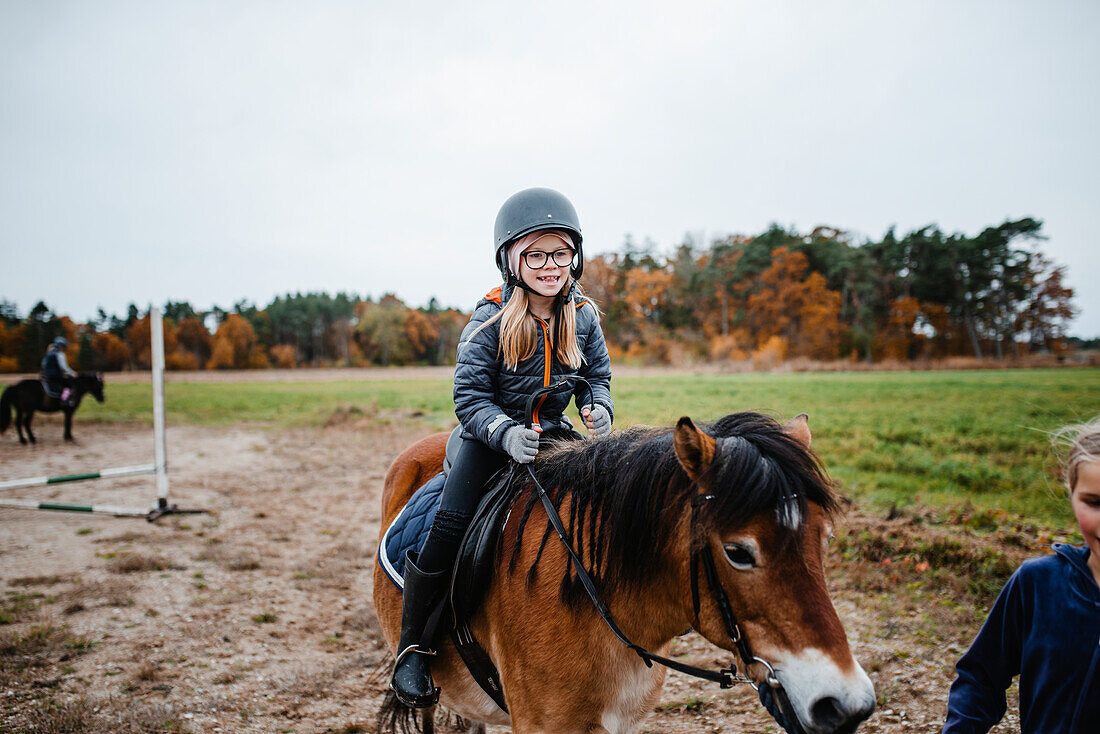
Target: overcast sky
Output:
[(214, 151)]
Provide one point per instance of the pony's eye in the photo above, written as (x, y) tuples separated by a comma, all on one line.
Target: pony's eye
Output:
[(740, 556)]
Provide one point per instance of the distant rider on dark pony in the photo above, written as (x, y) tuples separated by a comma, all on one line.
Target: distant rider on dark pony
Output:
[(530, 332), (56, 371)]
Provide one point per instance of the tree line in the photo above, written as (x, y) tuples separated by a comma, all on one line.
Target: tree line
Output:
[(824, 296), (295, 330), (773, 296)]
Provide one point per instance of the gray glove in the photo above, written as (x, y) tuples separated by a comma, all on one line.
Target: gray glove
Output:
[(598, 420), (521, 443)]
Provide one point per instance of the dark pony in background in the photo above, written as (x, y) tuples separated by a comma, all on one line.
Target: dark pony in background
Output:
[(27, 396)]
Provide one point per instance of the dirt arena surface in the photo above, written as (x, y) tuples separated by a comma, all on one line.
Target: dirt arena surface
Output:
[(257, 616)]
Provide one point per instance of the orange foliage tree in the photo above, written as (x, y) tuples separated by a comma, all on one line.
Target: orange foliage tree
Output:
[(421, 334), (285, 356), (193, 339), (798, 308), (111, 352), (139, 340), (233, 344), (11, 343), (897, 339)]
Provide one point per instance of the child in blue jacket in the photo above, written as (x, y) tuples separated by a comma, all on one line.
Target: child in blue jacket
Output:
[(1044, 626)]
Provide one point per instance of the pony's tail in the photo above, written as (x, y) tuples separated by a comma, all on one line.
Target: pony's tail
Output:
[(5, 410), (395, 717)]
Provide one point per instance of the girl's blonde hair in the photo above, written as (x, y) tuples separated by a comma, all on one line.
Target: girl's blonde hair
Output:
[(520, 331), (1079, 443)]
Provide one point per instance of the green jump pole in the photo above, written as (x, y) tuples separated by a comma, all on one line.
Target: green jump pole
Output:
[(122, 471), (104, 509)]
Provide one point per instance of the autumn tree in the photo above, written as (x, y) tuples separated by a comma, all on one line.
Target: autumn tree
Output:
[(234, 344), (421, 335), (798, 308), (110, 352), (448, 324), (193, 338), (139, 341), (1045, 314), (11, 345), (381, 331)]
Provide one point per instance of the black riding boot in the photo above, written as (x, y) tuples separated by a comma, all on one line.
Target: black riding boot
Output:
[(412, 675)]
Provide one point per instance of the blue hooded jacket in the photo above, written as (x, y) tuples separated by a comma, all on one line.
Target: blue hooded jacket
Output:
[(1044, 626)]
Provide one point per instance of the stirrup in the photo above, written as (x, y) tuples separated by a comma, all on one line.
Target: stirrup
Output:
[(416, 701), (413, 648)]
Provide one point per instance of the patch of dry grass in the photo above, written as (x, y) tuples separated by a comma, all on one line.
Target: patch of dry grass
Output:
[(882, 556), (51, 580), (22, 652), (304, 684), (86, 715), (68, 717), (127, 537), (109, 592), (135, 562), (147, 673), (235, 559), (17, 606)]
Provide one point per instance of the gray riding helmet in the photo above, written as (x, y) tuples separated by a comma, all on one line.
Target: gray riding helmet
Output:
[(529, 211)]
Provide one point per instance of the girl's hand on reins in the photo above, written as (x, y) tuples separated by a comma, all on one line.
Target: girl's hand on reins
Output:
[(522, 444), (597, 419)]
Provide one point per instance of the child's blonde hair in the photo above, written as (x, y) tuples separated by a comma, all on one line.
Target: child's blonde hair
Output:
[(520, 332), (1080, 443)]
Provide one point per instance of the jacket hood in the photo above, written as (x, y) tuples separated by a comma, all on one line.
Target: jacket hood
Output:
[(1078, 557)]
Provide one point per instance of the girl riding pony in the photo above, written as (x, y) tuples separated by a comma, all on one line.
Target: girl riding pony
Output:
[(534, 329)]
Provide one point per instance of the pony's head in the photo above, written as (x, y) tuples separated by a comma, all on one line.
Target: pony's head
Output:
[(91, 382), (763, 512), (642, 507)]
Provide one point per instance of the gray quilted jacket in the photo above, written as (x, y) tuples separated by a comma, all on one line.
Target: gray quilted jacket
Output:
[(490, 398)]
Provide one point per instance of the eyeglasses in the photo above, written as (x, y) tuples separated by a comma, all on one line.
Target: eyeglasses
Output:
[(536, 259)]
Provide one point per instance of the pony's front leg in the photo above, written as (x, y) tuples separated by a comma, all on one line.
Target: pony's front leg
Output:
[(19, 426), (68, 425), (27, 425)]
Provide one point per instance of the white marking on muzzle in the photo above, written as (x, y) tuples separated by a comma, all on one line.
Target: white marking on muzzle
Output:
[(811, 677)]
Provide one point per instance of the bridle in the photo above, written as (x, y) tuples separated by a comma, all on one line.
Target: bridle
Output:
[(700, 553)]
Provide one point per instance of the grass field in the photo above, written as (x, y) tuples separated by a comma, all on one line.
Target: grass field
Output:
[(974, 442)]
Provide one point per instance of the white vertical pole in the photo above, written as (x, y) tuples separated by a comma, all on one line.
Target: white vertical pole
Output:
[(160, 452)]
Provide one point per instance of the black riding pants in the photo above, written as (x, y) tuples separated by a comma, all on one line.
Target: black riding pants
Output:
[(474, 466)]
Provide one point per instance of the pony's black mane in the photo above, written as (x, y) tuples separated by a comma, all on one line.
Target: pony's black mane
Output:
[(627, 493)]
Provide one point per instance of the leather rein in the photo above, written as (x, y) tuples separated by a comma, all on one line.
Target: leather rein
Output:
[(701, 552)]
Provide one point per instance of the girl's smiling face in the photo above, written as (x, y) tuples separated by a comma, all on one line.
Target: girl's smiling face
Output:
[(549, 279), (1085, 501)]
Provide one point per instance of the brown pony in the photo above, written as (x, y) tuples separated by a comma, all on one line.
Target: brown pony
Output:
[(763, 506)]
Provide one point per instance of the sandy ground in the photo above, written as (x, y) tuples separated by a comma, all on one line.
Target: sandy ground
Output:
[(256, 617)]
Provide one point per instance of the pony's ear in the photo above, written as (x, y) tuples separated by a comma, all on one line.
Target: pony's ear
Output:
[(798, 428), (694, 449)]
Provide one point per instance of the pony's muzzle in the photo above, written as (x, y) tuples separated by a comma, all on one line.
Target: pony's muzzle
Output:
[(830, 716)]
